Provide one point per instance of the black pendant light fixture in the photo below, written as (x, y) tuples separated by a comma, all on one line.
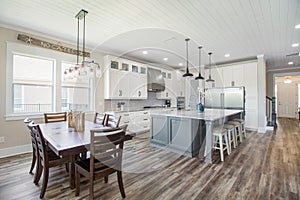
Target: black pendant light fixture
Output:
[(187, 73), (209, 77), (199, 77)]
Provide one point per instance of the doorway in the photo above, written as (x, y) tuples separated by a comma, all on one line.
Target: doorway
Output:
[(286, 91)]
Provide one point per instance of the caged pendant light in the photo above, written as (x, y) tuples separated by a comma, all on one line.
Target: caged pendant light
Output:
[(209, 77), (199, 77), (187, 73)]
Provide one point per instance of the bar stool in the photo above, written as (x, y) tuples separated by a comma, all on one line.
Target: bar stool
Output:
[(231, 136), (219, 135), (237, 129), (243, 129)]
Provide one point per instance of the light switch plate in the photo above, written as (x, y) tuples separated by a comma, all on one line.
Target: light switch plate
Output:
[(2, 139)]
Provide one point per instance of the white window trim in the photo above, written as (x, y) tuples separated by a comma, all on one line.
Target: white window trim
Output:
[(59, 57)]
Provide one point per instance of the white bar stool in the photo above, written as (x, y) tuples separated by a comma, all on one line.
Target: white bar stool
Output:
[(243, 129), (237, 129), (231, 136), (219, 134)]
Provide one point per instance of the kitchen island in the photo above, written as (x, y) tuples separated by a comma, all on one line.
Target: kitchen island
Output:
[(184, 132)]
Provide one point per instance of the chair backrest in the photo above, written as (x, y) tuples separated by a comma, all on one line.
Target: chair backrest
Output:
[(106, 151), (100, 118), (112, 121), (40, 143), (27, 121), (55, 117)]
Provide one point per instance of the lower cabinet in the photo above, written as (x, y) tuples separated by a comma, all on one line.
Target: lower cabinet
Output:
[(181, 135), (138, 122)]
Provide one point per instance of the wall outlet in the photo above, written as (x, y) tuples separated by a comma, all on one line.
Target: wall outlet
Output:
[(2, 139)]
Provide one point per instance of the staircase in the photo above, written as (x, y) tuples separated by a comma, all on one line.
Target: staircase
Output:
[(271, 111)]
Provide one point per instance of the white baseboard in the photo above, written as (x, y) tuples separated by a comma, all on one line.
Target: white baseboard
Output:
[(269, 128), (11, 151), (261, 130)]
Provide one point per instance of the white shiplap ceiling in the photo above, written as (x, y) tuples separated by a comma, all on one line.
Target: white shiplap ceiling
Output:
[(242, 28)]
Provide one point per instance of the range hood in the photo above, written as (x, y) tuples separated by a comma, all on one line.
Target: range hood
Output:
[(156, 82)]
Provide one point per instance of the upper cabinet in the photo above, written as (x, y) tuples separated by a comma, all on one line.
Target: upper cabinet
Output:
[(124, 79), (168, 93)]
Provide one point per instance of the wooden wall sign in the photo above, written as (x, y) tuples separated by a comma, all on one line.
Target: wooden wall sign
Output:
[(48, 45)]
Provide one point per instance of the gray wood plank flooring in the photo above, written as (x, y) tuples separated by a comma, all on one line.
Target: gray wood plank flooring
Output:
[(264, 166)]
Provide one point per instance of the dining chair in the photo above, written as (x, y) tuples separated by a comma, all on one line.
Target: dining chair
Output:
[(100, 118), (33, 145), (55, 117), (112, 120), (46, 159), (106, 158)]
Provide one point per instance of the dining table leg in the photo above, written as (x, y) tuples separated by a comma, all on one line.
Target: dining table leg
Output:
[(209, 141), (72, 171)]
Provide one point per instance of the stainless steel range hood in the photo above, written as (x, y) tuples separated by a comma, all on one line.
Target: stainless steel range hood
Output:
[(156, 82)]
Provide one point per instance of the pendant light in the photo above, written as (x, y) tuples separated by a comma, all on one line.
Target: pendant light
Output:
[(199, 77), (85, 67), (187, 73), (209, 77)]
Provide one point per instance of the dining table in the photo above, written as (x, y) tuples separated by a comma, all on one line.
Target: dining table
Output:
[(68, 142)]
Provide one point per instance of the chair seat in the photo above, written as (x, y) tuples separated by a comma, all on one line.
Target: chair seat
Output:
[(85, 164), (235, 123), (239, 120), (219, 130), (228, 126)]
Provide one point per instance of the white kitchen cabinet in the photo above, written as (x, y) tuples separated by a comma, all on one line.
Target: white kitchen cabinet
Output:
[(237, 75), (124, 79), (138, 82), (251, 88), (233, 76), (178, 84), (168, 92), (137, 122)]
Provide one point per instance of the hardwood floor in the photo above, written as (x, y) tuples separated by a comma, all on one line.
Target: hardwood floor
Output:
[(264, 166)]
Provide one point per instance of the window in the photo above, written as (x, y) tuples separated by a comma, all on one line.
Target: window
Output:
[(35, 83), (32, 84), (76, 92)]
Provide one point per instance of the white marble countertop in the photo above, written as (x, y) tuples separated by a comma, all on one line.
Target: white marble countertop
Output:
[(207, 115)]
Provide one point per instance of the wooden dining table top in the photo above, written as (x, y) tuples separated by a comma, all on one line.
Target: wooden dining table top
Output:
[(64, 140)]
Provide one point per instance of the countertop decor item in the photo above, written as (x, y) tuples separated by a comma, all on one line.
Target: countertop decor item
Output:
[(199, 77), (187, 73), (209, 78)]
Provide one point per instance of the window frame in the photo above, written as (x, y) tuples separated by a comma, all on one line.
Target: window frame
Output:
[(13, 48)]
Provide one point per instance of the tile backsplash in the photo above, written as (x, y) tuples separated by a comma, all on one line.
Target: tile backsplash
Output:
[(133, 104)]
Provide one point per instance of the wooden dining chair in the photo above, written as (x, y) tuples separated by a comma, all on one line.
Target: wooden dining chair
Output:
[(100, 118), (112, 121), (33, 145), (46, 159), (106, 158), (55, 117)]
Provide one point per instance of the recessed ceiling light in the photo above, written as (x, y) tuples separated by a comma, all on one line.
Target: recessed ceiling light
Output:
[(165, 59), (180, 64), (227, 55), (145, 52), (295, 45), (290, 63), (297, 26)]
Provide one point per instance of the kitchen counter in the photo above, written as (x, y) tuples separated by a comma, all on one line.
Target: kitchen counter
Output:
[(208, 114), (184, 131)]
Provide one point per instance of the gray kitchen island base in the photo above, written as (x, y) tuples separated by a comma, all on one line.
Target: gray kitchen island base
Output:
[(181, 135), (184, 132)]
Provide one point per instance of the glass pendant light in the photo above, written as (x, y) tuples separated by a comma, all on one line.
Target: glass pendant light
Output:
[(187, 73), (209, 77), (199, 77)]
